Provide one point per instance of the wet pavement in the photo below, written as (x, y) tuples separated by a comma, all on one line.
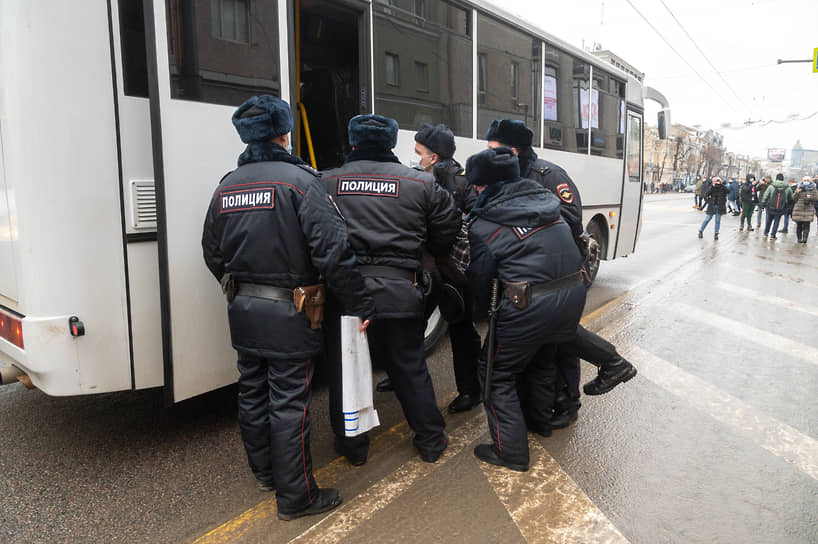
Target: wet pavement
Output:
[(713, 441)]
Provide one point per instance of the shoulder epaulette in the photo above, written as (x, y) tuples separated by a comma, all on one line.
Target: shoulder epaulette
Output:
[(310, 169)]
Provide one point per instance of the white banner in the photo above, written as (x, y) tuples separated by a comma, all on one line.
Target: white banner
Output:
[(549, 94)]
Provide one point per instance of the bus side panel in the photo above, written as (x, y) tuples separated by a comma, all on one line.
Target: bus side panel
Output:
[(61, 165), (8, 276), (143, 266)]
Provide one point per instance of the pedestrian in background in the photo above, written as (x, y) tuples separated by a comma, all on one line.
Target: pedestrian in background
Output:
[(803, 210), (761, 188), (776, 201), (747, 196), (716, 198), (732, 197), (793, 185), (697, 193)]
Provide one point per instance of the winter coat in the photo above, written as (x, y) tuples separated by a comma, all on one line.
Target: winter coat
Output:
[(805, 200), (393, 213), (778, 189), (517, 236), (747, 193), (716, 196), (554, 178), (450, 175), (283, 233), (698, 189), (732, 190)]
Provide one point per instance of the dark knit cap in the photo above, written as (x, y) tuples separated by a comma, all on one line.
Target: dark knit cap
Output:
[(492, 166), (438, 138), (262, 118), (510, 132), (779, 177), (372, 132)]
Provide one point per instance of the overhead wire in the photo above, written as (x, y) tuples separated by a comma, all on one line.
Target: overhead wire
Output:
[(680, 55), (702, 53)]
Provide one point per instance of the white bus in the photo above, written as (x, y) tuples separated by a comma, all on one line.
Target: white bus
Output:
[(115, 129)]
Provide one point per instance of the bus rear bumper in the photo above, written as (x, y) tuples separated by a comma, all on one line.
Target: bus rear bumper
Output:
[(50, 358)]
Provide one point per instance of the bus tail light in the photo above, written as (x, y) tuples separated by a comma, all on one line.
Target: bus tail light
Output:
[(11, 329)]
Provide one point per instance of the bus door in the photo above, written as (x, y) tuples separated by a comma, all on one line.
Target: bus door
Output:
[(208, 56), (630, 213), (330, 75)]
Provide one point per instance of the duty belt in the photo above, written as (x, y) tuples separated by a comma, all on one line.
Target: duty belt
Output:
[(391, 272), (541, 289), (265, 291)]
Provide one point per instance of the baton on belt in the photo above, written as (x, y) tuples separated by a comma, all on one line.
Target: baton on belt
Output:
[(490, 341)]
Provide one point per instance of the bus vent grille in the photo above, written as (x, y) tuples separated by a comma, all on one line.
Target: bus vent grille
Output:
[(143, 204)]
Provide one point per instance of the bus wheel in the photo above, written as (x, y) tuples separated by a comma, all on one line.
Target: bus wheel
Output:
[(436, 327), (597, 247)]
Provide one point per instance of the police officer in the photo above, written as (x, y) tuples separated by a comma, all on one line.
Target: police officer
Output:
[(517, 235), (270, 229), (613, 368), (434, 153), (392, 213)]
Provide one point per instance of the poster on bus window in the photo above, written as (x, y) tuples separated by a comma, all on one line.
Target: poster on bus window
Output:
[(549, 94), (589, 110)]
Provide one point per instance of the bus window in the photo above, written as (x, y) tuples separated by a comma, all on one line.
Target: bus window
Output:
[(634, 148), (607, 104), (423, 66), (132, 33), (223, 51), (563, 80), (512, 62)]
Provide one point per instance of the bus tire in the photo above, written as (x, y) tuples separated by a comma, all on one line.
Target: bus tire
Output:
[(597, 250), (436, 328)]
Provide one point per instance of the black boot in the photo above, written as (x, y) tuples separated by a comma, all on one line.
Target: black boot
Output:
[(563, 419), (609, 377), (487, 453), (326, 500), (384, 386), (463, 403), (355, 450)]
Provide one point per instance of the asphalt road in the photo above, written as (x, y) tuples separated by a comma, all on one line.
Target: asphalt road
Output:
[(714, 441)]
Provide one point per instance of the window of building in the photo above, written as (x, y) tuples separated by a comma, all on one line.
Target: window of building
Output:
[(230, 20), (392, 70), (505, 51), (236, 59), (436, 49), (564, 90), (422, 76)]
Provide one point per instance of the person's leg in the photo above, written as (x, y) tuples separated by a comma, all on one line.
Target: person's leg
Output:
[(290, 395), (718, 223), (507, 426), (538, 389), (613, 368), (786, 218), (806, 230), (254, 416), (758, 218), (747, 215), (705, 222), (399, 343), (465, 342), (768, 218), (776, 220), (354, 448)]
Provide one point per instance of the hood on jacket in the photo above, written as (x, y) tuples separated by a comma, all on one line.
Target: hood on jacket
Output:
[(521, 203), (806, 185), (780, 184)]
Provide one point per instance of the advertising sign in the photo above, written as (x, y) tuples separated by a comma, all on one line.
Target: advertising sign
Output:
[(776, 155), (589, 110), (549, 94)]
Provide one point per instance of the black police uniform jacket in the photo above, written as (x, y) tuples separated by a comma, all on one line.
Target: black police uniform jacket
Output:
[(392, 212), (519, 235), (451, 176), (271, 222), (554, 178)]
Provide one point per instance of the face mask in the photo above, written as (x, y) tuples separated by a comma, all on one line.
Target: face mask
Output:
[(289, 148), (414, 162)]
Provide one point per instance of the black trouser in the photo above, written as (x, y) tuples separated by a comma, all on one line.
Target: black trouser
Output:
[(398, 344), (274, 400), (802, 230), (465, 349), (522, 395), (589, 347)]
